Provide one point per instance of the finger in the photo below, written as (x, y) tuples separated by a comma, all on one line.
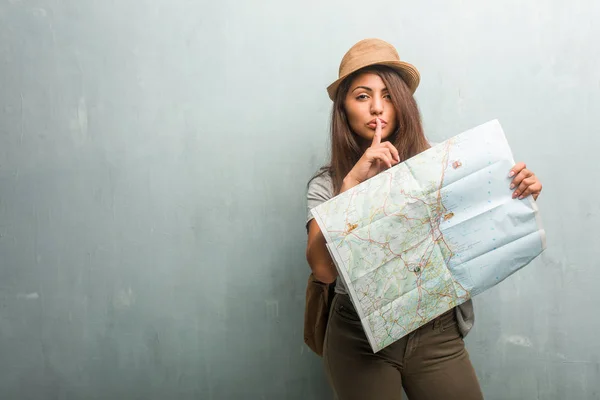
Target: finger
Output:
[(393, 151), (533, 189), (516, 169), (524, 173), (374, 157), (537, 190), (525, 183), (525, 193), (388, 155), (386, 160), (380, 155), (383, 154), (377, 136)]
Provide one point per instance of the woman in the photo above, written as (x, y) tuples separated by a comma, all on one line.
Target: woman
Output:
[(375, 125)]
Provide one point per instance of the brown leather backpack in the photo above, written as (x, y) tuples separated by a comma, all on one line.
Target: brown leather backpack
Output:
[(316, 313)]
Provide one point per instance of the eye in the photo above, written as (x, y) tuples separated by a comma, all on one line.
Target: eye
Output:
[(387, 96), (362, 97)]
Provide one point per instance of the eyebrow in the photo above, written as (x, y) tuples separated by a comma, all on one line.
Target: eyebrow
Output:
[(367, 88)]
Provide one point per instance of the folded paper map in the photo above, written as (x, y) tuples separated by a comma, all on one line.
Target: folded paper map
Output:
[(430, 233)]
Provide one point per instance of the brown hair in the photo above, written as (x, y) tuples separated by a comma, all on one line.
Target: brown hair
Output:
[(408, 138)]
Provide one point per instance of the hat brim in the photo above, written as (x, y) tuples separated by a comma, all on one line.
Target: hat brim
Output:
[(410, 75)]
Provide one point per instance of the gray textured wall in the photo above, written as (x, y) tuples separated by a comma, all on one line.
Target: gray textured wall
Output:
[(153, 162)]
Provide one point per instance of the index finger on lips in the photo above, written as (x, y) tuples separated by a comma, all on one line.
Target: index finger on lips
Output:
[(377, 136)]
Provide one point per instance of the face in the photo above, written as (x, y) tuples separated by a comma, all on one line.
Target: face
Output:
[(368, 99)]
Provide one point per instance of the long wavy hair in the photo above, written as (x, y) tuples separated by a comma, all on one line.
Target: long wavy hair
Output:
[(408, 137)]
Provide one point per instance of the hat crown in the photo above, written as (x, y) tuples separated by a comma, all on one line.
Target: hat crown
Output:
[(374, 52), (367, 52)]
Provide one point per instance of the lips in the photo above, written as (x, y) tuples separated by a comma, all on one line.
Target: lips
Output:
[(373, 123)]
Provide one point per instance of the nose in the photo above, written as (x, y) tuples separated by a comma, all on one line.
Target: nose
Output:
[(376, 106)]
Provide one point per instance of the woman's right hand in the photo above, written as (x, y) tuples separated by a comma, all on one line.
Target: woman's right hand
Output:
[(377, 158)]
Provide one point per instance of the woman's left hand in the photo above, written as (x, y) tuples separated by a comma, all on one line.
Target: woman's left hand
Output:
[(524, 182)]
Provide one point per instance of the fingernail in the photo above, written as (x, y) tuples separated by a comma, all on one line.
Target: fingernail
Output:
[(520, 197), (512, 173), (512, 186), (514, 195)]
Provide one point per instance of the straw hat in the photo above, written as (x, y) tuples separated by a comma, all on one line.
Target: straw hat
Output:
[(374, 52)]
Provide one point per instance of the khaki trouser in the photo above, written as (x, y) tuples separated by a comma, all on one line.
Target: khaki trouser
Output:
[(429, 363)]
